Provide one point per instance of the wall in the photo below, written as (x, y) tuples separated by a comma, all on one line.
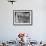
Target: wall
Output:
[(38, 30)]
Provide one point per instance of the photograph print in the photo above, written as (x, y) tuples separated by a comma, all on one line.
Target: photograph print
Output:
[(22, 17)]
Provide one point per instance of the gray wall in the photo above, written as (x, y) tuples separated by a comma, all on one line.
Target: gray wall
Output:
[(38, 30)]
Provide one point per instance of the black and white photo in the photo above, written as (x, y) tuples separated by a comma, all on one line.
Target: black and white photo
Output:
[(22, 17)]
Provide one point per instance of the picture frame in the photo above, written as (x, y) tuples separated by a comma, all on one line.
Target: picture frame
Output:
[(22, 17)]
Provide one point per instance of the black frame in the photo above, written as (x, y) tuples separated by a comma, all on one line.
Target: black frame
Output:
[(25, 11)]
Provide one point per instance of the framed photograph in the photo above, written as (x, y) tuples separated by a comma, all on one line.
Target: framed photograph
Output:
[(22, 17)]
